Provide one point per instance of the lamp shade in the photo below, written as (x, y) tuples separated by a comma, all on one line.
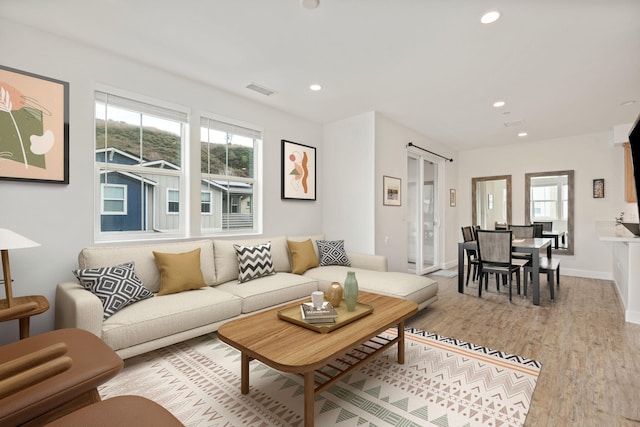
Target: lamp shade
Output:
[(12, 240)]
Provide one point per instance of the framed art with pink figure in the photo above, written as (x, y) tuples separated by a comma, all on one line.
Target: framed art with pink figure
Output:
[(298, 171), (34, 127)]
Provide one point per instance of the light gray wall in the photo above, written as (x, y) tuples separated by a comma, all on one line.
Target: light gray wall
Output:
[(60, 217), (358, 152), (591, 156), (391, 222), (349, 182)]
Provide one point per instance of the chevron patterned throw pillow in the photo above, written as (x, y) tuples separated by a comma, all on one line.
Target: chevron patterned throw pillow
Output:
[(254, 261), (332, 252), (117, 287)]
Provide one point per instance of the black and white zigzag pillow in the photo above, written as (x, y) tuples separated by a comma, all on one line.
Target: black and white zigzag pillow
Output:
[(117, 287), (254, 261), (332, 252)]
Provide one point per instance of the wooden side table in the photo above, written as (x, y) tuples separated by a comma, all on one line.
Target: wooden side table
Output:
[(38, 303)]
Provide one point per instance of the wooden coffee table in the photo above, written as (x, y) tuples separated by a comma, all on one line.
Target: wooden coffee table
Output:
[(322, 359)]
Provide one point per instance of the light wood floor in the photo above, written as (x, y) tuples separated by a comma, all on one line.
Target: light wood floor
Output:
[(590, 357)]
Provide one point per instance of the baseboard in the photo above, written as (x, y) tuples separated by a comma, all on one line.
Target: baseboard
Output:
[(632, 317)]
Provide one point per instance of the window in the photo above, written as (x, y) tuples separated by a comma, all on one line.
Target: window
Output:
[(139, 158), (205, 202), (114, 199), (230, 155), (145, 184), (549, 197), (544, 200), (173, 201)]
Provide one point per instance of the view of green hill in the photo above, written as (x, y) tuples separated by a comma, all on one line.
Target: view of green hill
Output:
[(161, 145)]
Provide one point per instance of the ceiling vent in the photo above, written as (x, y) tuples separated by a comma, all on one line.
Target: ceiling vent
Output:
[(260, 89), (514, 124)]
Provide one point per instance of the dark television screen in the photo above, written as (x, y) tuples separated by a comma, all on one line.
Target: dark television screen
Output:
[(634, 142)]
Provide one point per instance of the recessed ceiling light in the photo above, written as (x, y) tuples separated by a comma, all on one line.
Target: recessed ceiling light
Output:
[(628, 103), (522, 134), (499, 104), (490, 17), (315, 87), (309, 4)]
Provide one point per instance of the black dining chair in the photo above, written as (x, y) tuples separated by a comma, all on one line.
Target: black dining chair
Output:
[(494, 254), (537, 230), (472, 256), (548, 266), (546, 225)]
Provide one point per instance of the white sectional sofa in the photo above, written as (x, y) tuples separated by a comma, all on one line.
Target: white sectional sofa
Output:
[(167, 319)]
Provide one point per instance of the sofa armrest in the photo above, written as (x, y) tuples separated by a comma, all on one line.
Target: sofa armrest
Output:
[(368, 261), (78, 308)]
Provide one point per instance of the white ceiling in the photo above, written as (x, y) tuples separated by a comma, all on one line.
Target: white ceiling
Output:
[(563, 66)]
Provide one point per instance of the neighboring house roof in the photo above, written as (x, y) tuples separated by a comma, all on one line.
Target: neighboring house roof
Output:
[(132, 176)]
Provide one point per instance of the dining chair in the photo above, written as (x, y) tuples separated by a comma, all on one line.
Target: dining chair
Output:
[(494, 254), (549, 266), (522, 232), (472, 255), (537, 230), (546, 225)]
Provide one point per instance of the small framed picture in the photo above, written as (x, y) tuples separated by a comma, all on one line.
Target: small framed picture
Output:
[(452, 197), (598, 188), (391, 191), (298, 176)]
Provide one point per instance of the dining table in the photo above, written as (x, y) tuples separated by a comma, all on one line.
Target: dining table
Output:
[(532, 246), (556, 235)]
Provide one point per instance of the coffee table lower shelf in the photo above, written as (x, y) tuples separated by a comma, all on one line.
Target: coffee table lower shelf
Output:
[(319, 380), (328, 375)]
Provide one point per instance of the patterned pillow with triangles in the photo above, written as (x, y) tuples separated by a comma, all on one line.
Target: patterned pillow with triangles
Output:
[(254, 261), (117, 286), (332, 252)]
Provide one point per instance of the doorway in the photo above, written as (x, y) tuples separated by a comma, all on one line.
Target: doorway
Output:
[(423, 223)]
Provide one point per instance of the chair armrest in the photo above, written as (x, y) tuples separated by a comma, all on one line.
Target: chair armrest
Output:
[(368, 261), (24, 371), (78, 308)]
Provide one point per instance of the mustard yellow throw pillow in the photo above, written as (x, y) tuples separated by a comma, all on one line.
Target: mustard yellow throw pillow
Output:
[(179, 272), (303, 257)]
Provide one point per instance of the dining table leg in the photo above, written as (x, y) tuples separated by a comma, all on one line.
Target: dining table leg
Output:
[(461, 267), (535, 280)]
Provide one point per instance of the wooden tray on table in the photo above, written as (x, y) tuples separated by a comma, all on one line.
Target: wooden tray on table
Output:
[(292, 314)]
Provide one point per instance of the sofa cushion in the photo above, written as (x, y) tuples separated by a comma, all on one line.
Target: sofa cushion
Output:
[(332, 252), (401, 285), (270, 290), (145, 264), (303, 257), (166, 315), (179, 272), (116, 287), (254, 261), (227, 262)]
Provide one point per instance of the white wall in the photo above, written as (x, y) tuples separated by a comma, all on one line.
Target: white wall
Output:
[(60, 217), (591, 156), (358, 152), (349, 182)]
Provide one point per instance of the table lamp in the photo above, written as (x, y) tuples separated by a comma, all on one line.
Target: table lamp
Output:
[(11, 240)]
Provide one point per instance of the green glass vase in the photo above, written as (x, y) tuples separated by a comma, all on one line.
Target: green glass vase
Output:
[(351, 291)]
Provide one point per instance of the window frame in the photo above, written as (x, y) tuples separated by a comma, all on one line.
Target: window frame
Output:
[(141, 169), (103, 199), (255, 181), (208, 203), (168, 210)]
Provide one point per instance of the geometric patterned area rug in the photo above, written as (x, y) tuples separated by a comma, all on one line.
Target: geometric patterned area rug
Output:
[(444, 382)]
